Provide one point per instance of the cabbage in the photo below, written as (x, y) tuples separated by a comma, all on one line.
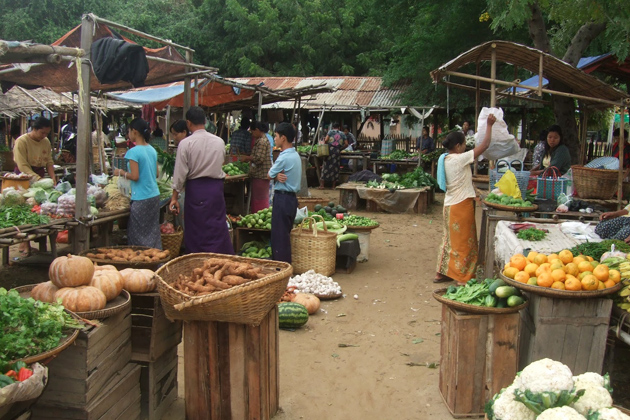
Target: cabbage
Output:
[(45, 183), (31, 192), (93, 211), (54, 196), (12, 198), (41, 196)]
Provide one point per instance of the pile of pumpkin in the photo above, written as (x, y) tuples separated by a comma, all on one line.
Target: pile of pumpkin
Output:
[(561, 271), (84, 286)]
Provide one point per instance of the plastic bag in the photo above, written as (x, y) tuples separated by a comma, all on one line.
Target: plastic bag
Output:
[(503, 143), (124, 186), (99, 179), (508, 185), (64, 187), (300, 215), (48, 208), (66, 205)]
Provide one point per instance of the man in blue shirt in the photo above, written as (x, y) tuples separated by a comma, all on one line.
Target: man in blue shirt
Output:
[(425, 144), (287, 174)]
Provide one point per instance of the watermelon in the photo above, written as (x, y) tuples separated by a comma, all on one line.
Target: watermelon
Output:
[(292, 315), (318, 207), (331, 204)]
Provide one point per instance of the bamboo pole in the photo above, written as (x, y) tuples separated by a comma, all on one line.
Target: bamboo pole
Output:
[(540, 75), (187, 84), (493, 76), (41, 49), (622, 142), (183, 64)]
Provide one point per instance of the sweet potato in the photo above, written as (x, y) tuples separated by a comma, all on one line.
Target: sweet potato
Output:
[(101, 256), (199, 288), (216, 283), (162, 254), (118, 259), (234, 280)]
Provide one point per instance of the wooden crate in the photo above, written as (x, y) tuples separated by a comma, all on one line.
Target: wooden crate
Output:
[(422, 206), (158, 385), (231, 370), (152, 334), (78, 374), (479, 355), (118, 400), (571, 331)]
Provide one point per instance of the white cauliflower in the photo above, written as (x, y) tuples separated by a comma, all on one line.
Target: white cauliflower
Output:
[(608, 414), (594, 398), (560, 413), (546, 375), (589, 377), (506, 408)]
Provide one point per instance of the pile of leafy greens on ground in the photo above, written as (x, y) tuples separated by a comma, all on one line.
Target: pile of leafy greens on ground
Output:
[(29, 327), (416, 179)]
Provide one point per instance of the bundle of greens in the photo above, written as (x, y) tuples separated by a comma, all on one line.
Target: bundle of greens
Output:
[(358, 221), (473, 293), (308, 149), (398, 155), (167, 160), (597, 249), (531, 234), (415, 179), (29, 327), (434, 155), (19, 216)]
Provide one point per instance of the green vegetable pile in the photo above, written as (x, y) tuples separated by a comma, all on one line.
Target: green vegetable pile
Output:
[(307, 150), (29, 327), (323, 213), (597, 249), (398, 155), (167, 160), (330, 211), (360, 221), (415, 179), (506, 200), (489, 293), (434, 155), (531, 234), (260, 220), (236, 168), (256, 249), (19, 216), (165, 189)]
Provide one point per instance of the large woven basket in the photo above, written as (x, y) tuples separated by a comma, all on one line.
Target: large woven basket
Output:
[(313, 249), (173, 241), (594, 183), (245, 304)]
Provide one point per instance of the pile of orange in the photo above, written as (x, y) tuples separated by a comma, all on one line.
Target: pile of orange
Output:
[(561, 271)]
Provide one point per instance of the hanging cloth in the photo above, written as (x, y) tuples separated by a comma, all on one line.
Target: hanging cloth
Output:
[(114, 60)]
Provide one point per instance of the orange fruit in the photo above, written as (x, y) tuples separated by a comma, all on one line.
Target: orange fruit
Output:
[(545, 267), (544, 279), (506, 266), (584, 274), (585, 266), (609, 283), (552, 257), (555, 264), (573, 284), (589, 258), (572, 268), (601, 285), (533, 281), (565, 256), (558, 285), (540, 259), (590, 282), (531, 269), (518, 261), (559, 275), (594, 263), (521, 276), (601, 272), (577, 260), (510, 272), (614, 275), (531, 255)]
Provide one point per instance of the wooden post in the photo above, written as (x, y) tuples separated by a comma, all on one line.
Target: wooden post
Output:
[(168, 125), (260, 104), (196, 90), (622, 141), (82, 233), (189, 56), (493, 76)]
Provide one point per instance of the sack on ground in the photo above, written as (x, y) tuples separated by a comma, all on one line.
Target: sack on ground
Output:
[(503, 143)]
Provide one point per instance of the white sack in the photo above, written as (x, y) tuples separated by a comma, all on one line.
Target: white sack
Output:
[(503, 143)]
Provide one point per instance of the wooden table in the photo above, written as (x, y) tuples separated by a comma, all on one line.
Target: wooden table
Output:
[(409, 163), (235, 188), (27, 233)]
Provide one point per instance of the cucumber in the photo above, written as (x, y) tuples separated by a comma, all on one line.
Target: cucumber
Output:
[(502, 303), (490, 301), (496, 284), (515, 301), (505, 291)]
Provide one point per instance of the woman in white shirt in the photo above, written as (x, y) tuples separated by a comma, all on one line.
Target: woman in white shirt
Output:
[(458, 256)]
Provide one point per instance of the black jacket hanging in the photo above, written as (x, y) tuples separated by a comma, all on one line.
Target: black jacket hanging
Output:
[(114, 60)]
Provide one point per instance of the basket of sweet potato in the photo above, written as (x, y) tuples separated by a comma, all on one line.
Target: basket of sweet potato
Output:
[(123, 257), (221, 288)]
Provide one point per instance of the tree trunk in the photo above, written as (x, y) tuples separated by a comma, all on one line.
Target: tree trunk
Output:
[(538, 30)]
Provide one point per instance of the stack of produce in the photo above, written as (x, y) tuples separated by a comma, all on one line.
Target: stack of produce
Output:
[(563, 271), (317, 284), (598, 249), (28, 327), (215, 275), (433, 156), (331, 210), (259, 220), (16, 372), (547, 390), (358, 221), (506, 200), (236, 168), (307, 150), (234, 219), (19, 216), (415, 179), (256, 249), (491, 293), (129, 255), (165, 188), (116, 200), (398, 155)]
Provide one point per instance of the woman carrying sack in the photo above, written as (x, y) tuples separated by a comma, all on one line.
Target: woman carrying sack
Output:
[(457, 259)]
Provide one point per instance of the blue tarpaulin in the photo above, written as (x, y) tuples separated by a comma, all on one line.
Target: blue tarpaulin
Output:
[(150, 95)]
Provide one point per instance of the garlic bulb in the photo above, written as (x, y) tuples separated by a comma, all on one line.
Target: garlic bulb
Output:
[(318, 284)]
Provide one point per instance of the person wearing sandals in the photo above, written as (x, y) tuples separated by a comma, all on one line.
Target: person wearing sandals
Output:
[(457, 259)]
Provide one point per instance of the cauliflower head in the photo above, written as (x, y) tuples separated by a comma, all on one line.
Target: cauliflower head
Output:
[(507, 408), (608, 414), (589, 377), (595, 397), (546, 375), (561, 413)]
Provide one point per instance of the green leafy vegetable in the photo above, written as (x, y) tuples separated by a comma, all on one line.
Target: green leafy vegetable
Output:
[(531, 234), (19, 216), (597, 249)]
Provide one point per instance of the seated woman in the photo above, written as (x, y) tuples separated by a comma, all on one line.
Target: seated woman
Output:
[(556, 153), (615, 225)]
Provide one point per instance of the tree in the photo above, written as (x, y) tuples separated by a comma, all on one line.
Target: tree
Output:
[(568, 29)]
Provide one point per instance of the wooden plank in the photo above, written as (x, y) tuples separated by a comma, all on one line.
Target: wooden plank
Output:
[(264, 369), (238, 389), (252, 342), (224, 358), (274, 373)]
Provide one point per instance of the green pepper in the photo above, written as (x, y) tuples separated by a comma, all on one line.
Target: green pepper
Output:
[(5, 380)]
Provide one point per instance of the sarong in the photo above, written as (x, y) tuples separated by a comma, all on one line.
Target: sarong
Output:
[(458, 255), (617, 228), (206, 228), (282, 217), (260, 194), (143, 228)]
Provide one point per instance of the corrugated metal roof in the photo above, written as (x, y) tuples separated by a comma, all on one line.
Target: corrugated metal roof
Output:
[(351, 93)]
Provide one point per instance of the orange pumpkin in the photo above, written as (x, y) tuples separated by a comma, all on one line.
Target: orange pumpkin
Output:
[(71, 271), (310, 301), (110, 282), (104, 267), (82, 298), (139, 280), (44, 292)]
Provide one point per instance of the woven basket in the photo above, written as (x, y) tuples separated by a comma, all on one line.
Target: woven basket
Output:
[(594, 183), (314, 250), (246, 304), (173, 241)]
